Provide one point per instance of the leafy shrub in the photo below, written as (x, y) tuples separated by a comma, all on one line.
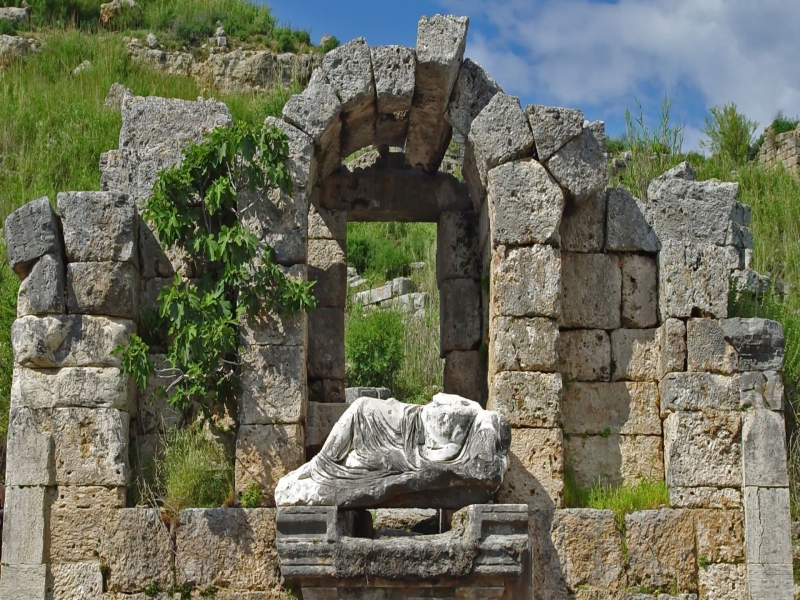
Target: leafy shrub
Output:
[(251, 496), (330, 43), (373, 347), (729, 133)]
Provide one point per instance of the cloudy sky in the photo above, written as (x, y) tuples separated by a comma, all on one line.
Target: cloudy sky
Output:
[(604, 56)]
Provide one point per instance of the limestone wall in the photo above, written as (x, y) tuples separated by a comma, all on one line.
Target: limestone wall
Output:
[(594, 321), (782, 148)]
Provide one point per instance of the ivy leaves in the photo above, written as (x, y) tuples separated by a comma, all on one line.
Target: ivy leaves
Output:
[(194, 208)]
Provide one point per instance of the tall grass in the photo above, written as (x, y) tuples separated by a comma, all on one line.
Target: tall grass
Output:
[(383, 251), (623, 500)]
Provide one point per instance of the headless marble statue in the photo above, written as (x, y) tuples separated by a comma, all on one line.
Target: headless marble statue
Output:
[(446, 454)]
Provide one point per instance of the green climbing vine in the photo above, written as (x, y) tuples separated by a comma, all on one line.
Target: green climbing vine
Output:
[(195, 209)]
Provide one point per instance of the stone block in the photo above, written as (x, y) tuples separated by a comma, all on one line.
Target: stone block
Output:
[(580, 165), (103, 288), (326, 343), (526, 281), (767, 526), (79, 520), (321, 419), (83, 387), (460, 315), (99, 226), (775, 582), (137, 548), (583, 224), (553, 127), (723, 582), (613, 459), (77, 580), (354, 393), (393, 68), (705, 497), (694, 280), (732, 345), (91, 446), (639, 291), (25, 526), (592, 291), (627, 228), (465, 374), (274, 387), (672, 342), (265, 453), (698, 391), (300, 162), (349, 71), (719, 535), (761, 389), (589, 547), (24, 582), (155, 413), (279, 220), (391, 129), (439, 50), (635, 354), (764, 449), (661, 549), (326, 224), (473, 90), (457, 254), (527, 399), (277, 327), (327, 266), (584, 355), (31, 232), (524, 344), (227, 547), (703, 449), (29, 448), (536, 469), (603, 408), (525, 203), (42, 291), (69, 340), (151, 120), (500, 133), (326, 390)]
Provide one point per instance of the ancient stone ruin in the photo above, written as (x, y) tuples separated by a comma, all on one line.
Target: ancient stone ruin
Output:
[(781, 149), (596, 323)]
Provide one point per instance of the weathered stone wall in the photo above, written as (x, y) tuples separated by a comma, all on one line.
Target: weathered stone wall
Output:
[(783, 148)]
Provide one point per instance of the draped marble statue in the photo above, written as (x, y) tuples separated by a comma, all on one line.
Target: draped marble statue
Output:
[(446, 454)]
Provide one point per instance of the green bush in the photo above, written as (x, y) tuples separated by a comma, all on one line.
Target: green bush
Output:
[(729, 133), (373, 347), (331, 43)]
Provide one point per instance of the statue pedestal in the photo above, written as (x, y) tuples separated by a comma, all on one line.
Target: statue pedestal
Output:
[(485, 555)]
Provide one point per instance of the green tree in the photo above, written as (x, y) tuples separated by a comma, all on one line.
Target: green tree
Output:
[(729, 132)]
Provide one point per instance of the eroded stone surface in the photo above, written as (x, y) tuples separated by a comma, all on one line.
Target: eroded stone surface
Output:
[(553, 127), (526, 281), (79, 517), (705, 497), (327, 266), (767, 526), (31, 232), (764, 449), (720, 535), (723, 582), (265, 453), (465, 375), (613, 459), (527, 399), (583, 224), (584, 354), (325, 348), (699, 391), (279, 220), (460, 315), (86, 387), (731, 345), (580, 165), (273, 385), (536, 469), (25, 531), (620, 407), (592, 291), (103, 288), (457, 254), (636, 354), (42, 291), (77, 580), (300, 162), (639, 291), (473, 90), (393, 68), (627, 226), (524, 344), (99, 226)]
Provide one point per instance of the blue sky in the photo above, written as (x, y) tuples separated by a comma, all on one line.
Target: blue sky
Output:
[(603, 56)]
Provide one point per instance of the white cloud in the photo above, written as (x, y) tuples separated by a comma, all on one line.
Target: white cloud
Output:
[(579, 53)]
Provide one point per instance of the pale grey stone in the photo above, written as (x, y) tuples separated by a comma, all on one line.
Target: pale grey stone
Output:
[(325, 343), (527, 399), (583, 224), (672, 343), (580, 165), (265, 453), (69, 340), (767, 526), (91, 446), (733, 345), (707, 348), (279, 327), (149, 121), (639, 291), (24, 582), (695, 279), (465, 374), (703, 449), (613, 459), (592, 289), (42, 291), (500, 133), (103, 288), (16, 15), (553, 127), (393, 69), (705, 497), (525, 203), (524, 344), (627, 227), (473, 90), (698, 391), (406, 519), (536, 474), (775, 582), (77, 580), (327, 267), (273, 385), (322, 416), (300, 162), (115, 94), (29, 449), (457, 254), (326, 224), (279, 220), (81, 387), (764, 449), (616, 408), (440, 47), (584, 355), (155, 414), (99, 226), (526, 281), (459, 315), (759, 389), (25, 526), (31, 232)]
